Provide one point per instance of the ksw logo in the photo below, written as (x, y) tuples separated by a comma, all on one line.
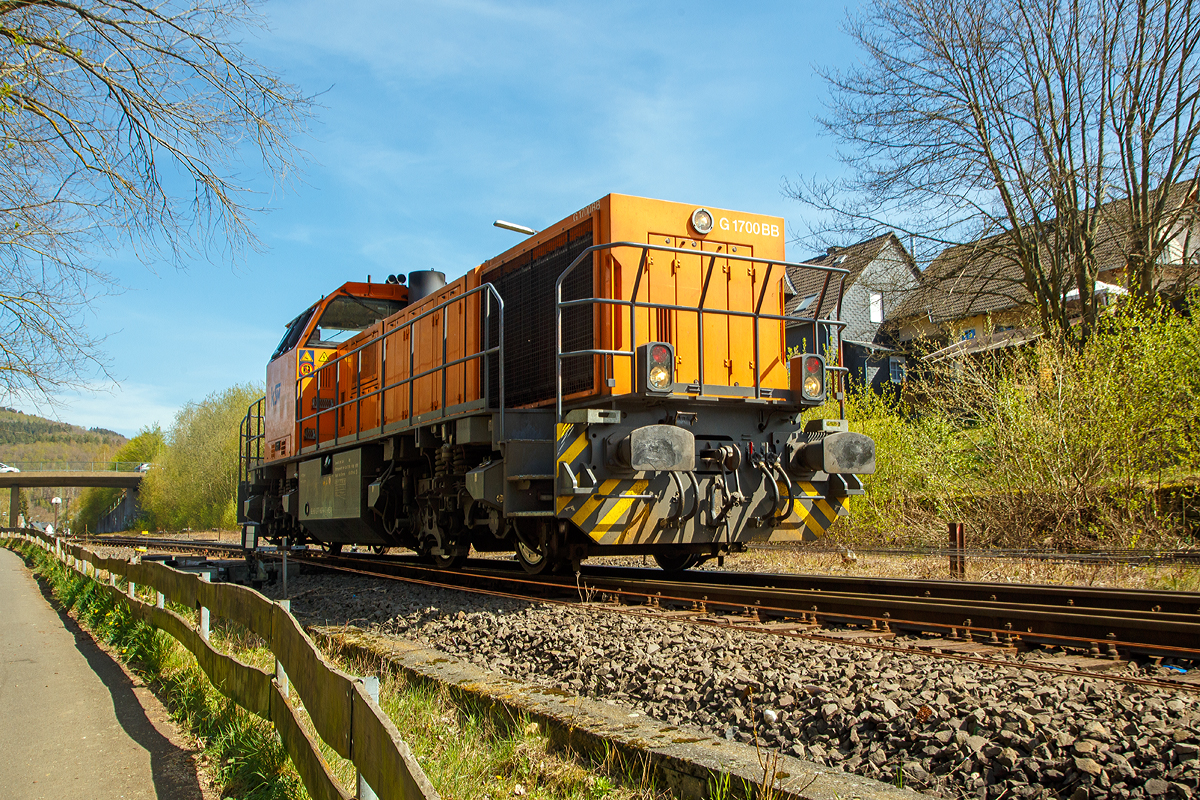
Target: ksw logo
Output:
[(275, 392)]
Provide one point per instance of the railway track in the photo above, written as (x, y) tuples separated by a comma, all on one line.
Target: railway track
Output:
[(1134, 557), (948, 616), (226, 549), (951, 617)]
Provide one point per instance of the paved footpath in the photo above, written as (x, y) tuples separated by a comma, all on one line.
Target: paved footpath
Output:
[(72, 722)]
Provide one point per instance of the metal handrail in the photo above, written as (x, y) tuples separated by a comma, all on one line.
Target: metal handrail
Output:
[(484, 352), (699, 310), (250, 445), (76, 466)]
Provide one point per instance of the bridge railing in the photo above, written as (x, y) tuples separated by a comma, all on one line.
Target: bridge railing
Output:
[(343, 710), (76, 466)]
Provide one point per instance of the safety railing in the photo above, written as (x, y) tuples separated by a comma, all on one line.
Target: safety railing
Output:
[(633, 304), (486, 352), (251, 436), (342, 709)]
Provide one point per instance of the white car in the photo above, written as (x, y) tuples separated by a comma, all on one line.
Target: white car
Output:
[(7, 468), (144, 467)]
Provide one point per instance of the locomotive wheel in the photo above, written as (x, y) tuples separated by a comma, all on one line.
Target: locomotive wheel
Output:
[(448, 562), (333, 548), (672, 562), (534, 562), (536, 553), (379, 549)]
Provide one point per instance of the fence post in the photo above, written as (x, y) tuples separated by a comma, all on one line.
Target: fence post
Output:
[(371, 685), (280, 675), (132, 585), (161, 601), (958, 543), (204, 612), (285, 554)]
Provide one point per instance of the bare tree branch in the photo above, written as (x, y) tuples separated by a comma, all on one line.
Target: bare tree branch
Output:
[(122, 123), (1014, 125)]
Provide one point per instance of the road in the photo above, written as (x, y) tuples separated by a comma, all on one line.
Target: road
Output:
[(73, 723)]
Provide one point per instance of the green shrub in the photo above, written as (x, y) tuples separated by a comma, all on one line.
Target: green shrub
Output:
[(194, 484), (93, 503), (1046, 444)]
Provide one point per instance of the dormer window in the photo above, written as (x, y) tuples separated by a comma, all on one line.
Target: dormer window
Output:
[(806, 302)]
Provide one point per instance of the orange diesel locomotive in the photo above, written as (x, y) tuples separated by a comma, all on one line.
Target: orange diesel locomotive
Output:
[(616, 384)]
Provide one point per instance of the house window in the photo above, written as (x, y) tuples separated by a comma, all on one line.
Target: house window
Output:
[(897, 368), (806, 302), (876, 307)]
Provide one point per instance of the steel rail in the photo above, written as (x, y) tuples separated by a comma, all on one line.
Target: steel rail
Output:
[(1072, 626), (1103, 623), (161, 544), (421, 576), (1141, 600)]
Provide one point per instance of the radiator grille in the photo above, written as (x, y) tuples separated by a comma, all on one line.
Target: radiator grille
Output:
[(527, 285)]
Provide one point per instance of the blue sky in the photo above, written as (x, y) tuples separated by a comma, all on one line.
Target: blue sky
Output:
[(438, 118)]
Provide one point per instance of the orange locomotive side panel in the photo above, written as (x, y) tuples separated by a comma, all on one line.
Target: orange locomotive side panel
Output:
[(280, 413), (348, 397), (707, 277), (414, 345)]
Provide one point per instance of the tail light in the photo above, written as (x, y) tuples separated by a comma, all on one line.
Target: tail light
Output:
[(808, 379), (656, 367)]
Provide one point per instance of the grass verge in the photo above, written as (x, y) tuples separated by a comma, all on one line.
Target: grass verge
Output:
[(465, 752)]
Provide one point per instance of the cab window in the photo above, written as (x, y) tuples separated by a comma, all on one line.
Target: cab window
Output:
[(347, 316), (295, 330)]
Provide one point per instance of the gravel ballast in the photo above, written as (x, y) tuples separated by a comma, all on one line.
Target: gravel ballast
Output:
[(954, 728)]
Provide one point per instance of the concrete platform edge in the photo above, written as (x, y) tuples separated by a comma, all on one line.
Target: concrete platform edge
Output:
[(687, 761)]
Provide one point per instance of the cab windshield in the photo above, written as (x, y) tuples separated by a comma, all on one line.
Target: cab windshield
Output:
[(347, 316), (295, 330)]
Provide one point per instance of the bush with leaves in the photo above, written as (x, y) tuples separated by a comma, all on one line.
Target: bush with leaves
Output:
[(1049, 444), (95, 502), (194, 483)]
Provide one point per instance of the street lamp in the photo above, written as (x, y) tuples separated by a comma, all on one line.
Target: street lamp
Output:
[(56, 502)]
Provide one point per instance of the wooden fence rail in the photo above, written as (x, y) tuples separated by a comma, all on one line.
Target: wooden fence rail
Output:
[(340, 707)]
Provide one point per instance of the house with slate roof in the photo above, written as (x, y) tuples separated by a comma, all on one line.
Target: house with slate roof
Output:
[(972, 297), (881, 274)]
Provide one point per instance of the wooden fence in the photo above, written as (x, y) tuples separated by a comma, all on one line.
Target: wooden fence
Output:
[(341, 708)]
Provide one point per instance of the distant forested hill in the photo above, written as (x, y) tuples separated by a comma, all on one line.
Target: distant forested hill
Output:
[(26, 437)]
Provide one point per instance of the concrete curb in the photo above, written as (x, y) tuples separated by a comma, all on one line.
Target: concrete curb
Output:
[(686, 760)]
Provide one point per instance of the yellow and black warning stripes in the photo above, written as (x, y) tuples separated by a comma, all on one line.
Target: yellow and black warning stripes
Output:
[(811, 511), (607, 509)]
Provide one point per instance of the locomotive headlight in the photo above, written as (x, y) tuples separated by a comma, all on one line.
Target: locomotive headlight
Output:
[(702, 220), (656, 365), (808, 379)]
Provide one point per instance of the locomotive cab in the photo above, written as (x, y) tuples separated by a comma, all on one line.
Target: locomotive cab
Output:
[(618, 383)]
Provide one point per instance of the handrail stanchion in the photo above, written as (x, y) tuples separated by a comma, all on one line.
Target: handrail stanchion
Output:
[(699, 310)]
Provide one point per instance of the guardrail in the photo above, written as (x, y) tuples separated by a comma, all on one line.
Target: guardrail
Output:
[(344, 710), (77, 466)]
